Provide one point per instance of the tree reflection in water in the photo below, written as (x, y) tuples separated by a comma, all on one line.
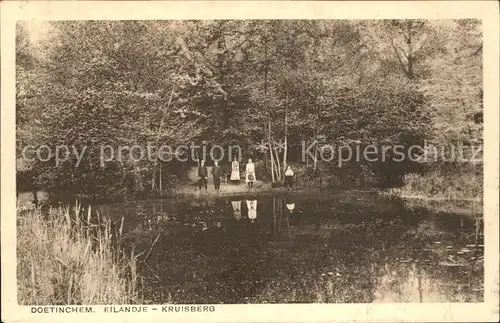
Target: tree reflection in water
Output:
[(337, 250)]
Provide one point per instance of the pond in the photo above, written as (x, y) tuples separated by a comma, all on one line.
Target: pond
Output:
[(289, 248)]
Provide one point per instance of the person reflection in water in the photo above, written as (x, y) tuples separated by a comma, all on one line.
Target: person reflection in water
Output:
[(292, 213), (252, 210), (236, 209)]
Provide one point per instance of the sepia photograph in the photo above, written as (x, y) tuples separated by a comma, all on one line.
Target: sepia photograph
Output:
[(191, 163)]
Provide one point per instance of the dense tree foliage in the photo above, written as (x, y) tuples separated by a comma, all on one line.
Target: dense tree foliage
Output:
[(116, 83)]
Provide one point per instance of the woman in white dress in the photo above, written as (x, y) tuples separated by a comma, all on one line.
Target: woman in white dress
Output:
[(235, 170), (250, 173)]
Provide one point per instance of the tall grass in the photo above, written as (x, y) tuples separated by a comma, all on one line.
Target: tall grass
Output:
[(438, 186), (62, 258)]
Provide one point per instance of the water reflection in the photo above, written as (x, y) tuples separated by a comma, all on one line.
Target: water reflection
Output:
[(236, 209), (304, 250), (281, 224), (252, 210)]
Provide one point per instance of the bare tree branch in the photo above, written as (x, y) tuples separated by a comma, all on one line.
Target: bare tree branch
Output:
[(401, 63)]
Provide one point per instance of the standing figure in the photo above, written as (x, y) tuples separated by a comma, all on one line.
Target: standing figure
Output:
[(235, 170), (202, 175), (250, 173), (216, 173), (252, 209), (289, 177)]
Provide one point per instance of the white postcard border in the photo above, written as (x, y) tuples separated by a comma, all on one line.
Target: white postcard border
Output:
[(82, 10)]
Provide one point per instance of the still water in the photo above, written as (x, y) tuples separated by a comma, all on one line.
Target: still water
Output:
[(294, 249)]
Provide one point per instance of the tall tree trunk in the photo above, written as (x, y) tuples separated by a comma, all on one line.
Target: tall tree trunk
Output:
[(162, 121), (161, 187), (153, 179), (278, 166), (285, 153), (273, 166), (302, 139), (266, 70), (411, 74), (274, 219), (315, 135), (315, 159)]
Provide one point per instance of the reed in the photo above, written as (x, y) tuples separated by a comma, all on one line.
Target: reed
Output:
[(63, 258), (466, 186)]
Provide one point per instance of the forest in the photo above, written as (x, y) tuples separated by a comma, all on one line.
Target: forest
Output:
[(252, 83)]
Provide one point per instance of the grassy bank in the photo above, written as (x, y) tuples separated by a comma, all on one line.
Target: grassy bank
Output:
[(458, 193), (465, 186), (64, 259), (471, 209)]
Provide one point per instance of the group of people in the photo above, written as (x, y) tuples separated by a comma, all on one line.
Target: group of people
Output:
[(250, 176), (203, 175)]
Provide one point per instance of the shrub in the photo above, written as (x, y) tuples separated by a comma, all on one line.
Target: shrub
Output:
[(445, 185)]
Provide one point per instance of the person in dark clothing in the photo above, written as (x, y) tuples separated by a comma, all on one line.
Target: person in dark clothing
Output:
[(216, 173), (202, 175)]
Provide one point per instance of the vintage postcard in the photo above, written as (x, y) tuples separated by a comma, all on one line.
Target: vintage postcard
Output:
[(249, 161)]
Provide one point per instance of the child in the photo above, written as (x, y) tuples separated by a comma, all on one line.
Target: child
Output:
[(289, 177)]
